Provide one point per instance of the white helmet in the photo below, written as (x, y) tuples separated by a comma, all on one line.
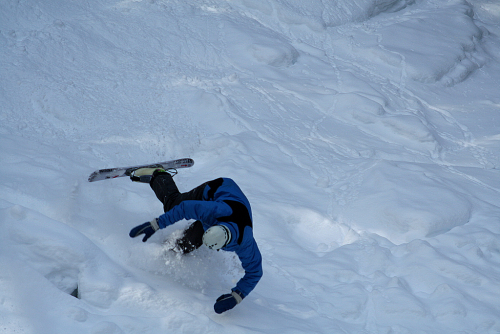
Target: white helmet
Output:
[(216, 237)]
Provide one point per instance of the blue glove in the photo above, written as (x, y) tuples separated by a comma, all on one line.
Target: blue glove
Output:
[(148, 229), (228, 301)]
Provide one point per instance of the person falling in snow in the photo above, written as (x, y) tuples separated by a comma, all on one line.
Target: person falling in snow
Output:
[(223, 221)]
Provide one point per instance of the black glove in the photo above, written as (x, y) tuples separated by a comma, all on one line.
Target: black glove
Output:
[(148, 229), (228, 301)]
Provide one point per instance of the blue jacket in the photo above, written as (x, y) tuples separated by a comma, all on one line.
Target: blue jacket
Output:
[(225, 204)]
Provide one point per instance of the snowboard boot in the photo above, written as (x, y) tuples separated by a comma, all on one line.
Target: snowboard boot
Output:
[(192, 238), (145, 175)]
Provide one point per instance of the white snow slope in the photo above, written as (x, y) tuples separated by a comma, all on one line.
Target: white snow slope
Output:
[(366, 134)]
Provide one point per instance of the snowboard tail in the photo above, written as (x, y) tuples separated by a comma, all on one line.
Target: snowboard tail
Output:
[(112, 173)]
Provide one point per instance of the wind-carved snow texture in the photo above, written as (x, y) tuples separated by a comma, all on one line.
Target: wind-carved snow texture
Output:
[(364, 132)]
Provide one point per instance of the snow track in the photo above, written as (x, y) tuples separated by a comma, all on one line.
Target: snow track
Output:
[(365, 134)]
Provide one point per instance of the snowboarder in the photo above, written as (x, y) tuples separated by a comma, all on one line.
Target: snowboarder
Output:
[(223, 221)]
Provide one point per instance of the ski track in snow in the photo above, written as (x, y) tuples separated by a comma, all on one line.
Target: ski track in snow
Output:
[(365, 134)]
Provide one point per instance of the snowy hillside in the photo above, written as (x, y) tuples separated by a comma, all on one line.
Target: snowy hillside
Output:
[(365, 133)]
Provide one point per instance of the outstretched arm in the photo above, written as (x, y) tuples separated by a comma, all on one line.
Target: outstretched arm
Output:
[(205, 211), (251, 261)]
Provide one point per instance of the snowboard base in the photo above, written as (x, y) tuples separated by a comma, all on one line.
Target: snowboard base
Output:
[(112, 173)]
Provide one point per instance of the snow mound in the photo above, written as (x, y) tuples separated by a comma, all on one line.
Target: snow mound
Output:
[(318, 15), (262, 46), (416, 44), (314, 232), (370, 114), (62, 255), (437, 58), (404, 208)]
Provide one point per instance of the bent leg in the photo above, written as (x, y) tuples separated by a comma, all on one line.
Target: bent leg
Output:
[(165, 189), (167, 192)]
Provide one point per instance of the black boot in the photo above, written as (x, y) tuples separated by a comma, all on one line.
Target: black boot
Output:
[(192, 238)]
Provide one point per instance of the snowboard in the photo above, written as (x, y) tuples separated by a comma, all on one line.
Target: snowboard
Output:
[(112, 173)]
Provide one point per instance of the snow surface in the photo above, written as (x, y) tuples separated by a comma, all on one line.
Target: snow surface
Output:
[(366, 134)]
